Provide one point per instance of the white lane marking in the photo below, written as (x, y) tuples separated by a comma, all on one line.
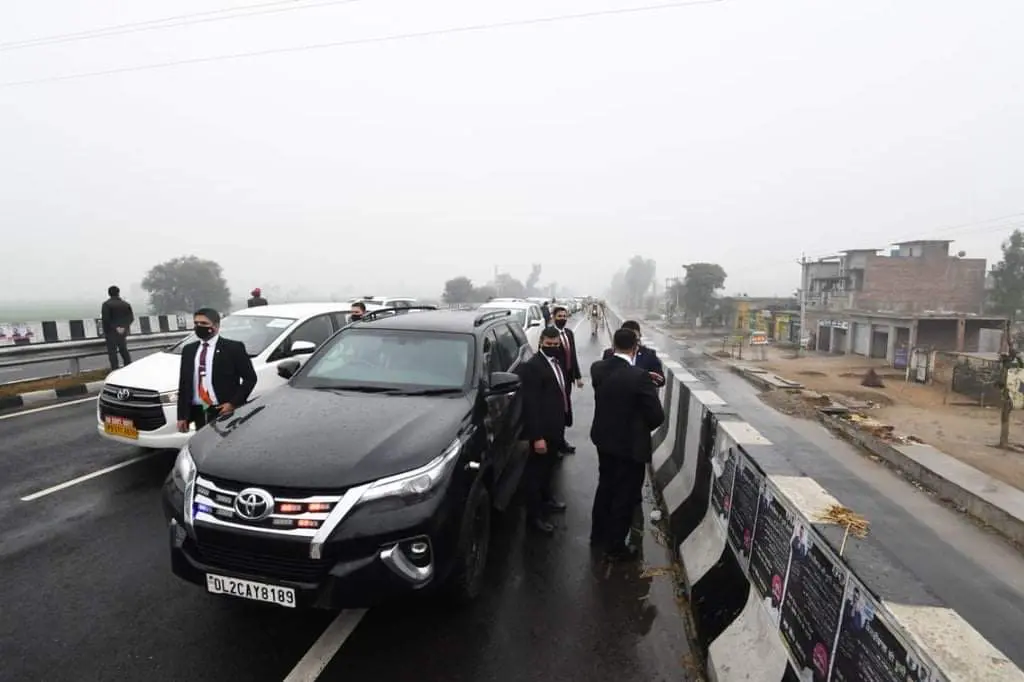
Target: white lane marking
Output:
[(48, 407), (324, 648), (83, 479)]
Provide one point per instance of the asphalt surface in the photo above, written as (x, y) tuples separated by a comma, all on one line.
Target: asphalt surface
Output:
[(971, 569), (87, 593), (53, 369)]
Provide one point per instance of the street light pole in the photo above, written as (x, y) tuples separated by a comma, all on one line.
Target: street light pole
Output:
[(803, 303)]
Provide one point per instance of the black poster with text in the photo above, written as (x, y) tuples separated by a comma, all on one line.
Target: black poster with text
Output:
[(724, 467), (769, 551), (745, 491), (868, 651), (811, 607)]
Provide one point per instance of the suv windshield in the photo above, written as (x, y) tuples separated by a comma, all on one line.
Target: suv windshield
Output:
[(255, 331), (378, 358)]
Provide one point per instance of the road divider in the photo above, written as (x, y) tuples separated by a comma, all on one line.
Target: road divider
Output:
[(781, 580)]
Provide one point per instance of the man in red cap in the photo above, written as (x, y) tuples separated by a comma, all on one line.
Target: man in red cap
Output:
[(257, 299)]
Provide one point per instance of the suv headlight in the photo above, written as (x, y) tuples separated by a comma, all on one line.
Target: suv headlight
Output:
[(184, 472), (418, 483), (169, 398)]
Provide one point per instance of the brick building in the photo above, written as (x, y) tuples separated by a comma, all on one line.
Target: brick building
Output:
[(882, 305)]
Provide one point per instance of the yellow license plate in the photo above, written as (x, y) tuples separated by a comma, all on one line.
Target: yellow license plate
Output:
[(120, 426)]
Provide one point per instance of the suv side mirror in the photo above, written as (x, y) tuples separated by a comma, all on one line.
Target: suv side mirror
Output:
[(504, 382), (286, 369), (302, 347)]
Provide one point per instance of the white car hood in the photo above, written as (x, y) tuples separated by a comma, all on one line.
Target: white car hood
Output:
[(156, 372)]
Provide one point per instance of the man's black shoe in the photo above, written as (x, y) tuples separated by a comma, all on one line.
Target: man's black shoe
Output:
[(555, 505), (540, 526), (624, 553)]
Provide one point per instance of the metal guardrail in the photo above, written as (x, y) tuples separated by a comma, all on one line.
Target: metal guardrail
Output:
[(74, 351)]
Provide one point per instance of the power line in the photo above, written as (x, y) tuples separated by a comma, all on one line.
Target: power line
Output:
[(366, 41), (158, 24), (60, 37)]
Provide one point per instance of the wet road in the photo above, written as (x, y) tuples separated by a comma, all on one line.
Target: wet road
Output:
[(53, 369), (87, 592), (971, 569)]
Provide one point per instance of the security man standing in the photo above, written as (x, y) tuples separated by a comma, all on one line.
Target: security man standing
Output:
[(626, 411), (646, 358), (570, 365), (545, 411), (216, 374), (257, 299), (116, 318)]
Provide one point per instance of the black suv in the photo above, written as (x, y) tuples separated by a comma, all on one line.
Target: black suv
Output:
[(371, 474)]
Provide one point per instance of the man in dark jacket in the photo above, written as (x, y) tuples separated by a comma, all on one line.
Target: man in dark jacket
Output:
[(216, 374), (646, 358), (545, 410), (116, 318), (626, 411), (570, 365), (257, 298)]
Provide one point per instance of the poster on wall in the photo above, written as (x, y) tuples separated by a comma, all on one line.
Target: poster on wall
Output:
[(769, 550), (745, 491), (723, 464), (812, 605), (869, 650)]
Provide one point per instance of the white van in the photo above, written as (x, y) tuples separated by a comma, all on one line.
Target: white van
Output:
[(138, 404), (527, 314)]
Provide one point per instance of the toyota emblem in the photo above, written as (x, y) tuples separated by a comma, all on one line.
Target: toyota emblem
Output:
[(254, 504), (123, 394)]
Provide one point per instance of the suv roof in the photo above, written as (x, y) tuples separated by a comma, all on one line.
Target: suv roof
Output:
[(292, 309), (464, 321), (507, 304)]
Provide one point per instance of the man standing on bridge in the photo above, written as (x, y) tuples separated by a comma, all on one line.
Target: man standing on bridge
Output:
[(626, 411), (257, 299), (116, 318), (646, 358), (570, 365)]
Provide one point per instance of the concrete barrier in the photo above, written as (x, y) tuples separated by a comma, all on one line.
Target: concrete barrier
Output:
[(55, 331), (777, 588)]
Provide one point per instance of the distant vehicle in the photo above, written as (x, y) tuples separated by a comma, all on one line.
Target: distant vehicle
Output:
[(385, 301), (138, 403), (372, 474), (525, 313)]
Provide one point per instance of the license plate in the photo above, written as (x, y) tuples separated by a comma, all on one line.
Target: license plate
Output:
[(247, 589), (120, 426)]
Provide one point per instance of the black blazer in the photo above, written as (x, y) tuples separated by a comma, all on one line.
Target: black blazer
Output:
[(626, 409), (646, 359), (543, 404), (572, 358), (233, 374)]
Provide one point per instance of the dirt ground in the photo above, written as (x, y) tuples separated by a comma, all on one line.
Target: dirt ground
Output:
[(57, 382), (947, 421)]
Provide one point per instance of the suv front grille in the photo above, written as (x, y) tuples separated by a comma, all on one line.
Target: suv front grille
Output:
[(279, 566), (126, 395), (146, 418)]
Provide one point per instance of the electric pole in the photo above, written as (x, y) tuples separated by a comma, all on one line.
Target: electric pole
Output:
[(803, 303)]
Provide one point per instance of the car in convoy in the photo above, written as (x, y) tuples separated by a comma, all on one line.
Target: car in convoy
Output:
[(372, 474), (385, 302), (526, 313), (138, 403)]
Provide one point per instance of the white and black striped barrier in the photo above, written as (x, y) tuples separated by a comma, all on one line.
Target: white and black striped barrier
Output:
[(777, 588), (55, 331)]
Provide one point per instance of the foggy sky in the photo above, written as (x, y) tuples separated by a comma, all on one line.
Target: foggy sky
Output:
[(742, 132)]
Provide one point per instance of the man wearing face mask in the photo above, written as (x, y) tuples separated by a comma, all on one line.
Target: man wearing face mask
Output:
[(646, 358), (570, 364), (216, 374), (357, 311), (545, 410), (626, 410)]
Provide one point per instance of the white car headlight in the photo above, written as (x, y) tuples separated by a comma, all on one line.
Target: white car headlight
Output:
[(418, 482), (184, 472), (169, 398)]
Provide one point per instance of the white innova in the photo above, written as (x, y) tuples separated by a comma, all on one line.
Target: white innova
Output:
[(138, 403), (527, 314)]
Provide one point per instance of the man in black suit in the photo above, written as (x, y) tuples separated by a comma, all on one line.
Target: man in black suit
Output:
[(626, 411), (570, 365), (116, 317), (646, 358), (545, 410), (216, 373)]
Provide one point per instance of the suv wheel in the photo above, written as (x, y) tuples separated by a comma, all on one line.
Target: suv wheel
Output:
[(474, 541)]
